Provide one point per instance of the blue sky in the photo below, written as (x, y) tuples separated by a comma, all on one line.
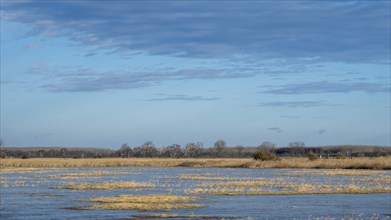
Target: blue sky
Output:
[(104, 73)]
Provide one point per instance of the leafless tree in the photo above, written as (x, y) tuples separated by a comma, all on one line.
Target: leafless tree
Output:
[(219, 146)]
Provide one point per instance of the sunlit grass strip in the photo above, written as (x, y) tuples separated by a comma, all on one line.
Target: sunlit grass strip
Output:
[(251, 183), (175, 216), (85, 175), (383, 179), (299, 189), (96, 173), (143, 203), (337, 172), (5, 170), (379, 163), (144, 207), (109, 185), (217, 178), (147, 199)]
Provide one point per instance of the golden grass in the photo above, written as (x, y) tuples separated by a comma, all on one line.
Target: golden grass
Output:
[(210, 177), (201, 177), (251, 183), (380, 163), (5, 170), (143, 203), (381, 179), (84, 175), (379, 183), (292, 189), (108, 186), (175, 216), (96, 173)]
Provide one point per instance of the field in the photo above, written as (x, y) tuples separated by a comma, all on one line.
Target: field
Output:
[(379, 163)]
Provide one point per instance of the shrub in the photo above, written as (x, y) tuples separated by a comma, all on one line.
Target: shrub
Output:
[(265, 154), (24, 157), (340, 155), (312, 156)]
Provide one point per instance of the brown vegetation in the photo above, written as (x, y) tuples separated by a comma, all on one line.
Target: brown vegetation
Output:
[(143, 203), (379, 163), (108, 186)]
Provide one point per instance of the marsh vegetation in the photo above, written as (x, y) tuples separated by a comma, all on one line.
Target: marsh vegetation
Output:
[(178, 192), (379, 163)]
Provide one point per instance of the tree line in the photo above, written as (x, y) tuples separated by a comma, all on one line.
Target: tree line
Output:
[(197, 150)]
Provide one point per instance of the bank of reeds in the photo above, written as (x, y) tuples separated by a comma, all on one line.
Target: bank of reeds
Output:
[(378, 163)]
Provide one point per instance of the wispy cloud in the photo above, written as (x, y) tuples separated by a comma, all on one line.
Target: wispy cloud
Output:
[(290, 116), (275, 129), (163, 97), (296, 104), (327, 87), (90, 80), (321, 131), (32, 46), (192, 29)]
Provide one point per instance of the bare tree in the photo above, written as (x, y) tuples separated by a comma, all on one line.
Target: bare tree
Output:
[(63, 152), (219, 147), (148, 149), (240, 149), (2, 153), (192, 150), (267, 144), (125, 150), (173, 151), (297, 148)]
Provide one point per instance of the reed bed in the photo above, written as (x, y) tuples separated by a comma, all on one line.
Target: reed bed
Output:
[(379, 163), (142, 203), (108, 186)]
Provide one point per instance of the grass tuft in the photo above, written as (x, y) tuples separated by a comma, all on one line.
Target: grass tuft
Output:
[(142, 203), (108, 186)]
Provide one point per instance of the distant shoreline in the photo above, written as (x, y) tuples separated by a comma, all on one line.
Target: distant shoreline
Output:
[(378, 163)]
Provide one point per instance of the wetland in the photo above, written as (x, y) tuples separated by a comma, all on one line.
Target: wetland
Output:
[(140, 192)]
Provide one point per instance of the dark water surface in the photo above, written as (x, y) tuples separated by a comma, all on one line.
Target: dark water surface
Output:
[(33, 195)]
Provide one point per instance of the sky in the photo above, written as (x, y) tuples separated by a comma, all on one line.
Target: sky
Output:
[(103, 73)]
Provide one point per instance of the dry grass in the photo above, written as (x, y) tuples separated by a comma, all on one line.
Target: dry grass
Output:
[(5, 170), (85, 175), (108, 186), (379, 183), (380, 163), (291, 189), (96, 173), (143, 203), (381, 179), (338, 172), (247, 183), (175, 216)]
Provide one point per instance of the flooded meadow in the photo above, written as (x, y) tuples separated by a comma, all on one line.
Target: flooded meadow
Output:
[(193, 193)]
